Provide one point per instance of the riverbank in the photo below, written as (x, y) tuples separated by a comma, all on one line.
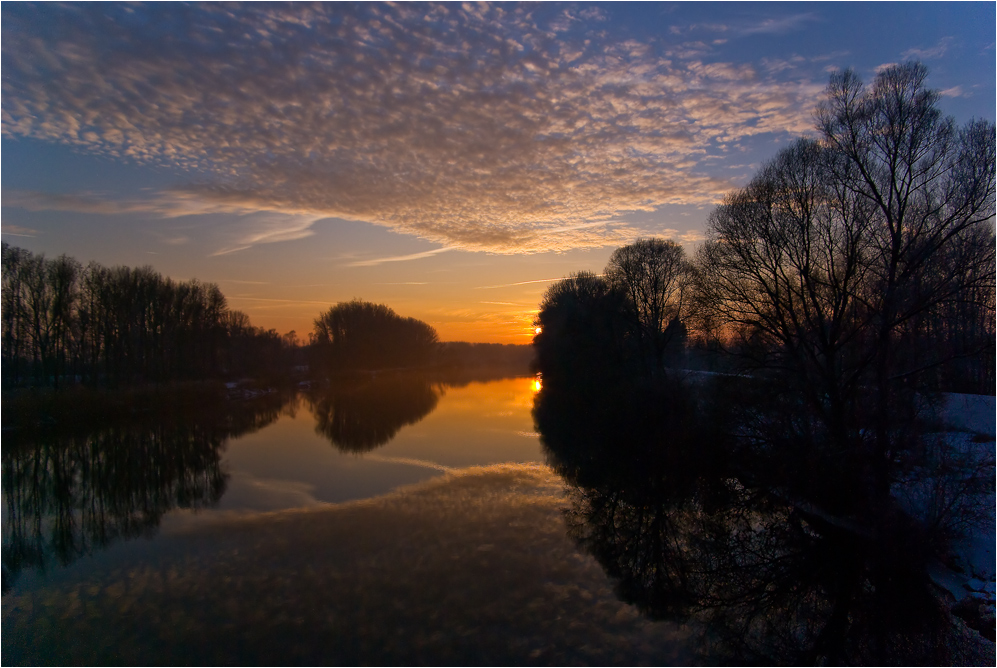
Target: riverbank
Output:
[(27, 409)]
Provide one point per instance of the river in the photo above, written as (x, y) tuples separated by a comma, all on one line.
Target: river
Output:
[(392, 520), (397, 518)]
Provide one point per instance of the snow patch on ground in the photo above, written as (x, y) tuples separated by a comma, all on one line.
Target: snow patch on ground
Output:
[(975, 413), (972, 421)]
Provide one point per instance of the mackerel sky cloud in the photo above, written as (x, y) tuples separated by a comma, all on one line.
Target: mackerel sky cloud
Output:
[(478, 127), (490, 129)]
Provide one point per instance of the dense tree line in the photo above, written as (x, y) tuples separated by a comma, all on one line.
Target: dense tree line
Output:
[(850, 281), (863, 258), (630, 320), (856, 268), (363, 335), (66, 323), (797, 503), (859, 261)]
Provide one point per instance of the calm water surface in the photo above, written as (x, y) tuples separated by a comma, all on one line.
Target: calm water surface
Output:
[(399, 519), (392, 519), (72, 492), (289, 464)]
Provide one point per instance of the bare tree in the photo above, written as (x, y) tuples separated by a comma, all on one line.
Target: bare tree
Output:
[(836, 258), (930, 186), (783, 265), (654, 275), (119, 325), (15, 334), (63, 276)]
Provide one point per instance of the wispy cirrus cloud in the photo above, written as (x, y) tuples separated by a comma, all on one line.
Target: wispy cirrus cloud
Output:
[(779, 25), (259, 303), (163, 204), (748, 26), (475, 127), (931, 52), (18, 231), (509, 285), (268, 228), (397, 258), (253, 226)]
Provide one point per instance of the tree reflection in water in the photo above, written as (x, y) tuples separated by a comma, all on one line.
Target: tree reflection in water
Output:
[(675, 512), (363, 412), (69, 491), (360, 414)]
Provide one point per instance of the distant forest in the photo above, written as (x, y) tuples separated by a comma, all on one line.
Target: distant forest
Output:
[(363, 335), (65, 323), (68, 324)]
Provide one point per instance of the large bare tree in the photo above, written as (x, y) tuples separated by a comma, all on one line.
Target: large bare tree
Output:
[(844, 261), (930, 186)]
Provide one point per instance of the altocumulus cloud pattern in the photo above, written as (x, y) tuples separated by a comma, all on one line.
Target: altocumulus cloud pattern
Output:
[(475, 127)]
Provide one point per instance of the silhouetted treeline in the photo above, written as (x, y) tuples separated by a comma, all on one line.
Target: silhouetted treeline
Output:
[(851, 279), (854, 276), (459, 354), (66, 323), (630, 320), (838, 292), (854, 267), (363, 335)]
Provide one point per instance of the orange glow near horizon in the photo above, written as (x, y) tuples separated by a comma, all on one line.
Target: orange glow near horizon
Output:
[(472, 327)]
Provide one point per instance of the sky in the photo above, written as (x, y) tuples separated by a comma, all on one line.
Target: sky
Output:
[(448, 160)]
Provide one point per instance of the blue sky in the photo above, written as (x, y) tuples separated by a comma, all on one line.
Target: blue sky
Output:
[(446, 159)]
